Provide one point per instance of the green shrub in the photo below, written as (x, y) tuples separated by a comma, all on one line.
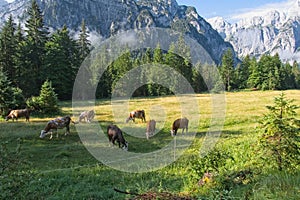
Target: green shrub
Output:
[(214, 161)]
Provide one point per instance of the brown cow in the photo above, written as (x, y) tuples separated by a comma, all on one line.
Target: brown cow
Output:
[(58, 123), (136, 114), (88, 116), (114, 133), (15, 114), (150, 128), (180, 123)]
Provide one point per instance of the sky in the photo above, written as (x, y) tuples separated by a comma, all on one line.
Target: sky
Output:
[(236, 9)]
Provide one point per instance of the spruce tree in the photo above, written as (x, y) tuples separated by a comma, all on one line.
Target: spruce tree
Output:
[(8, 48), (10, 97), (296, 73), (242, 73), (83, 43), (289, 81), (254, 75), (35, 48), (20, 59), (158, 55), (48, 98), (227, 69), (280, 140), (61, 62)]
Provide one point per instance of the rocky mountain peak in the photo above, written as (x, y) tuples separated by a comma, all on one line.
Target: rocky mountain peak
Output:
[(271, 32), (107, 17), (3, 2)]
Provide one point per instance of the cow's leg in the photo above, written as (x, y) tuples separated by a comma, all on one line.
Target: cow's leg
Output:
[(113, 142), (109, 140), (114, 138), (68, 130), (56, 133), (51, 135)]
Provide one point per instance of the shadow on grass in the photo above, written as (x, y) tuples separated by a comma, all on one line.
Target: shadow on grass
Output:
[(224, 133)]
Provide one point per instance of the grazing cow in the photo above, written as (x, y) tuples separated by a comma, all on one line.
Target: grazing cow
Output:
[(58, 123), (136, 114), (150, 128), (15, 114), (88, 116), (180, 123), (114, 133)]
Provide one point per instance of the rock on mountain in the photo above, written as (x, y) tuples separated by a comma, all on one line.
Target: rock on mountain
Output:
[(274, 32), (106, 17), (3, 2)]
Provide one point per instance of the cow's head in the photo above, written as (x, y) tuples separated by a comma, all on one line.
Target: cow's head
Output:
[(43, 133), (172, 132), (7, 118), (125, 147), (128, 119)]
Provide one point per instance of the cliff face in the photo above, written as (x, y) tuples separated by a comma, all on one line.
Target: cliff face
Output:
[(273, 32), (106, 17)]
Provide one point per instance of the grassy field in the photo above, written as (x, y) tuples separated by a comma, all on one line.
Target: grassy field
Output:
[(63, 168)]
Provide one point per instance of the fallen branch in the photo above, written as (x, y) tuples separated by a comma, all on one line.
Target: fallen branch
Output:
[(154, 195)]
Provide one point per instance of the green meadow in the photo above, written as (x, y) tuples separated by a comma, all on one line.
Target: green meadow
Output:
[(63, 168)]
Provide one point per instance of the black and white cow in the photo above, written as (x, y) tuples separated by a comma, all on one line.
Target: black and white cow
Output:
[(58, 123), (136, 114)]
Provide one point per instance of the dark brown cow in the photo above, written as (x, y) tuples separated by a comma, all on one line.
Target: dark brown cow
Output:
[(180, 123), (150, 128), (136, 114), (58, 123), (15, 114), (88, 116), (114, 133)]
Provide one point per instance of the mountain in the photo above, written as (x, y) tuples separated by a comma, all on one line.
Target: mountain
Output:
[(3, 2), (274, 32), (106, 17)]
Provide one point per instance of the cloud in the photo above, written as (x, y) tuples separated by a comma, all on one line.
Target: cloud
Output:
[(289, 7)]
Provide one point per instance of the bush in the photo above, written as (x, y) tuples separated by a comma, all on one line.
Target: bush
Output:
[(213, 162)]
